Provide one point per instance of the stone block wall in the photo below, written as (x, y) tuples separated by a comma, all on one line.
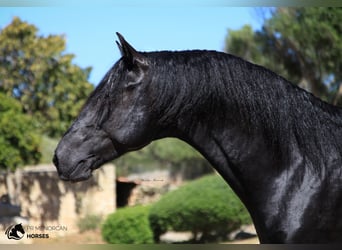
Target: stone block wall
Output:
[(45, 200)]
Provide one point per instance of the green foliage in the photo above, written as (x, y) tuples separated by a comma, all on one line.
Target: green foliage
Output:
[(36, 71), (206, 206), (128, 226), (302, 44), (19, 140), (89, 222)]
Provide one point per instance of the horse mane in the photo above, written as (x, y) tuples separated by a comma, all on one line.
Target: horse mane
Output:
[(214, 87), (219, 89)]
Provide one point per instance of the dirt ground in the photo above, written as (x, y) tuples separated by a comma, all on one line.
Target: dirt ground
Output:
[(88, 237), (253, 240), (94, 237)]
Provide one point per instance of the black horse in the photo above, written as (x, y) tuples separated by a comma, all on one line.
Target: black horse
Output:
[(276, 145)]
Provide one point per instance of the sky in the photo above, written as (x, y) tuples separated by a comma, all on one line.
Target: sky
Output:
[(90, 30)]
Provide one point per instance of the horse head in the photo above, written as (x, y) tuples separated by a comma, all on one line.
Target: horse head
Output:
[(115, 119)]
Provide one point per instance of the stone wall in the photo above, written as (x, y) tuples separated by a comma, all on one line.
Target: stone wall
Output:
[(151, 186), (45, 200)]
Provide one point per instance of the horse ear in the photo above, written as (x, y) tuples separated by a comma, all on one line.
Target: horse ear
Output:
[(120, 48), (131, 56)]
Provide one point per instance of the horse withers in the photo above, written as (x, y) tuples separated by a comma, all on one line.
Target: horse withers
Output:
[(276, 145)]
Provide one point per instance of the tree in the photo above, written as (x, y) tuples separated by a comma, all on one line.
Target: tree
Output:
[(36, 71), (19, 139), (302, 44)]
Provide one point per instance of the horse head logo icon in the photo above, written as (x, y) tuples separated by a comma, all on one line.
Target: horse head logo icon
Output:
[(15, 232)]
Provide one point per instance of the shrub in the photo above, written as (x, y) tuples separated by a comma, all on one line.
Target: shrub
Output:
[(128, 226), (89, 222), (207, 207)]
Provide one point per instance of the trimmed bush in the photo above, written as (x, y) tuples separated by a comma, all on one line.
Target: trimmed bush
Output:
[(207, 207), (128, 226)]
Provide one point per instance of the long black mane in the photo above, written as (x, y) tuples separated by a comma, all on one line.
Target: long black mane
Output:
[(218, 88), (214, 87)]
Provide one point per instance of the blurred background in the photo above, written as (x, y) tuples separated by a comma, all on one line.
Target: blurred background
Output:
[(52, 57)]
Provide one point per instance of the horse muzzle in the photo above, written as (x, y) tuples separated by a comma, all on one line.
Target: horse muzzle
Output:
[(80, 171)]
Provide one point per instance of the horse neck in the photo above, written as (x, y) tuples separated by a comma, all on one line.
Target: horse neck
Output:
[(264, 179), (268, 139), (235, 154), (243, 161)]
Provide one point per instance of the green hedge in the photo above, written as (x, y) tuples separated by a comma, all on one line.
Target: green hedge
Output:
[(128, 226), (207, 207)]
